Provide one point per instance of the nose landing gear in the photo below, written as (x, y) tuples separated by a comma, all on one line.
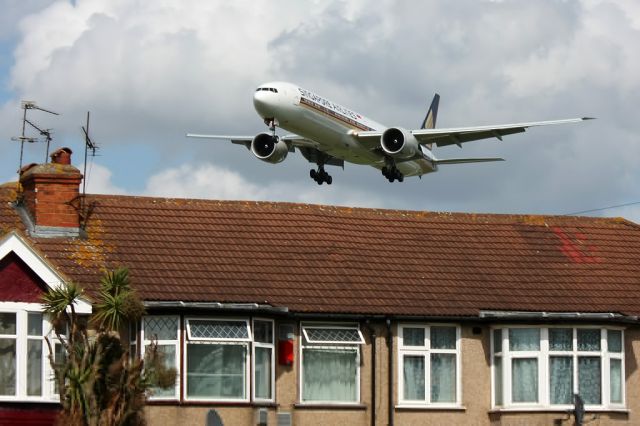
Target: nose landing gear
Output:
[(321, 176)]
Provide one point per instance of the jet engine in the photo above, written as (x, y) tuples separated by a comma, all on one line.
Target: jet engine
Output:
[(269, 148), (399, 143)]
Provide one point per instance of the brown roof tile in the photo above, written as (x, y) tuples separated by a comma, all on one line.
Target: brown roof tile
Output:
[(350, 260)]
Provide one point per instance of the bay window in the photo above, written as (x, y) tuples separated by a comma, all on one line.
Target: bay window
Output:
[(25, 374), (330, 363), (546, 366), (219, 357), (428, 364)]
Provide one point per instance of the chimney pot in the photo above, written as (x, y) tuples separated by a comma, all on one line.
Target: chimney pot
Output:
[(62, 156)]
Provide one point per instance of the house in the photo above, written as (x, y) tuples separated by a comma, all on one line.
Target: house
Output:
[(280, 313)]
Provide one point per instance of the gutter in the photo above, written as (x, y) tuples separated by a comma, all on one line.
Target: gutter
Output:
[(554, 316), (217, 306)]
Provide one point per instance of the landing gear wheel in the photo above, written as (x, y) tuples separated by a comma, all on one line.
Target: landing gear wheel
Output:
[(392, 173), (320, 176)]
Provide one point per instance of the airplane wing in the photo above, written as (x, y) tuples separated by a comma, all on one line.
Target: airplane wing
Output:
[(460, 135), (294, 140), (307, 147)]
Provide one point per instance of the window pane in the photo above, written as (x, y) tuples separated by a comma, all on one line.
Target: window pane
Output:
[(34, 324), (329, 334), (497, 379), (443, 377), (160, 327), (589, 380), (263, 366), (560, 339), (34, 367), (524, 339), (588, 339), (262, 332), (616, 380), (524, 380), (443, 337), (329, 375), (8, 366), (614, 340), (497, 341), (216, 371), (168, 353), (412, 336), (413, 377), (561, 379), (213, 329), (7, 323)]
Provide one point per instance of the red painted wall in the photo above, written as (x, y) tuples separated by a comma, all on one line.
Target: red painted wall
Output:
[(29, 414), (18, 283)]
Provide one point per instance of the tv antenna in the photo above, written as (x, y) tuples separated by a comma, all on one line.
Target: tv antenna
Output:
[(27, 105), (88, 145)]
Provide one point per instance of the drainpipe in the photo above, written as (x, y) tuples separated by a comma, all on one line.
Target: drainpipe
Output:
[(372, 337), (390, 370)]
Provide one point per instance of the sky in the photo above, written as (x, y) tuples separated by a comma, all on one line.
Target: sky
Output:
[(151, 71)]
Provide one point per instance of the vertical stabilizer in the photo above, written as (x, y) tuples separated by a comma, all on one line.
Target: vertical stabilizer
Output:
[(429, 121)]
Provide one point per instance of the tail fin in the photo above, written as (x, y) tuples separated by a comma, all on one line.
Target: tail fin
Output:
[(429, 121)]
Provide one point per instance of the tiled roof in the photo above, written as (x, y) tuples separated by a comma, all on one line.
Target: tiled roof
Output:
[(325, 259)]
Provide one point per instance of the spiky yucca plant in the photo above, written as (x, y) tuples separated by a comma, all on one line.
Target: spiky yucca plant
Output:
[(99, 383)]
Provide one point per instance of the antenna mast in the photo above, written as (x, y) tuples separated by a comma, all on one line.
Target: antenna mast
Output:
[(88, 145), (27, 105)]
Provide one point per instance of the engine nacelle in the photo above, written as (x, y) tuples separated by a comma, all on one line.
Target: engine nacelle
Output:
[(269, 149), (399, 143)]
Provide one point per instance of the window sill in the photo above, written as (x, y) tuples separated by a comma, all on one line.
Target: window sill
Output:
[(29, 401), (556, 410), (408, 407), (176, 402), (329, 406)]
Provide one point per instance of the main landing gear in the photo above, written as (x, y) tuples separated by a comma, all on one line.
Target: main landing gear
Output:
[(320, 176), (392, 173)]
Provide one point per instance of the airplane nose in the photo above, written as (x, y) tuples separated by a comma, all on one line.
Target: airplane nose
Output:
[(262, 103)]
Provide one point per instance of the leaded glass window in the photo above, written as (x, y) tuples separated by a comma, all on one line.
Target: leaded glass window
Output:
[(330, 363)]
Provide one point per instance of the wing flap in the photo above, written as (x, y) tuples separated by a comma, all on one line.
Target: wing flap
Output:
[(466, 160)]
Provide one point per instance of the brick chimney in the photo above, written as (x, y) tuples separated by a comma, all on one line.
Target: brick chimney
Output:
[(50, 192)]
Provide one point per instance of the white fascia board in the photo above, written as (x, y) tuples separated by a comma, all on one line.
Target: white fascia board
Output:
[(13, 242)]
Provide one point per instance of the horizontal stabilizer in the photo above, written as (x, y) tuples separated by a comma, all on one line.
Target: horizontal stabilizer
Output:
[(467, 160)]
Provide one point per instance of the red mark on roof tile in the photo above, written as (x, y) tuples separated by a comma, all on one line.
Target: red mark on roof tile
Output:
[(574, 247)]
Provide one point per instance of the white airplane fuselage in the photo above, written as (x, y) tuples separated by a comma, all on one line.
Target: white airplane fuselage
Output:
[(330, 125)]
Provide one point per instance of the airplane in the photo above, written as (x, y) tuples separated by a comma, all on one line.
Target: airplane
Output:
[(328, 134)]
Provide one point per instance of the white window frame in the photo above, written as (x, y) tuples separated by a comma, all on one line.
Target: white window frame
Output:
[(22, 310), (217, 339), (543, 356), (330, 345), (147, 340), (203, 340), (425, 351), (273, 361)]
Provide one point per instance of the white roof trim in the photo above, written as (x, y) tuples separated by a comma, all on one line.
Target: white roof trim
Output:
[(13, 242)]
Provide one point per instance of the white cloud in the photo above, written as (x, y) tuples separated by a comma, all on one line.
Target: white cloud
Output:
[(99, 180), (209, 181)]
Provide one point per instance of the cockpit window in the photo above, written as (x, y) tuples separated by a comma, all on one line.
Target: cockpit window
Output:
[(267, 89)]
